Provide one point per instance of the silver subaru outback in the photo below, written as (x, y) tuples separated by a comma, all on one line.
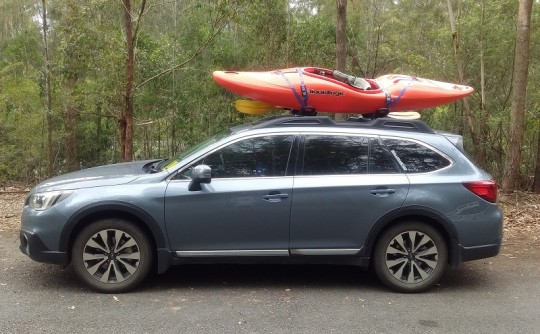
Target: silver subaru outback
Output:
[(391, 194)]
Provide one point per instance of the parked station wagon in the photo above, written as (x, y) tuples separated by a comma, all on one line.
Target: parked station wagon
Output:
[(395, 195)]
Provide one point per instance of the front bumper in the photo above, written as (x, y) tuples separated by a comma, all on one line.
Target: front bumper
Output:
[(32, 246)]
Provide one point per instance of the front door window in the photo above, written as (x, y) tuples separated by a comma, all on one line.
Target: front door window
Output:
[(245, 207)]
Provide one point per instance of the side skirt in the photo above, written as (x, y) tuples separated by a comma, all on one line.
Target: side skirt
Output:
[(297, 256)]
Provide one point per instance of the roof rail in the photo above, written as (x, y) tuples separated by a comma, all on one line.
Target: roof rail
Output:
[(378, 123)]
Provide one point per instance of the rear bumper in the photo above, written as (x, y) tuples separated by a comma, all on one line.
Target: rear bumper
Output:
[(33, 247), (480, 252)]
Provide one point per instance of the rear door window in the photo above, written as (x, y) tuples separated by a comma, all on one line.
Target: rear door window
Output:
[(345, 155)]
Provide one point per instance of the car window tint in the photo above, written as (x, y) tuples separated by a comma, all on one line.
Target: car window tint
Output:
[(260, 156), (381, 160), (416, 158), (332, 155)]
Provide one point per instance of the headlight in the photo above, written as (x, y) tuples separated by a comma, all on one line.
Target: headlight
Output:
[(43, 201)]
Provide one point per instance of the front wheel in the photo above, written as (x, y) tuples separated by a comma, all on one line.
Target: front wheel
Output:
[(111, 255), (410, 257)]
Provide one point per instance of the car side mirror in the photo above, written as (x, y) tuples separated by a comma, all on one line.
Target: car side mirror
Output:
[(200, 174)]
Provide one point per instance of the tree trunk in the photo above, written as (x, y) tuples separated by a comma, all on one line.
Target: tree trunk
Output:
[(536, 183), (484, 130), (478, 147), (126, 117), (97, 152), (71, 73), (482, 61), (341, 41), (48, 93), (70, 128), (519, 84)]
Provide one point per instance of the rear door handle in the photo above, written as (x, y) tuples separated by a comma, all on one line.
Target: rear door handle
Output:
[(382, 191), (275, 197)]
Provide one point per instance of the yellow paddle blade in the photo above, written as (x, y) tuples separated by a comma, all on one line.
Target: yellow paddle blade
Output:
[(404, 115), (253, 107)]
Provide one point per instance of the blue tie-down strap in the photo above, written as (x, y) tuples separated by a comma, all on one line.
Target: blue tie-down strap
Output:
[(301, 100), (303, 87), (391, 104), (388, 98)]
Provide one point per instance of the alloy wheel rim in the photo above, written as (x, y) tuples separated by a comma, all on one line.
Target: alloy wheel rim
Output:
[(111, 256), (411, 257)]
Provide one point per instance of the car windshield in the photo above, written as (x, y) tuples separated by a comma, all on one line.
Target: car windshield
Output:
[(169, 163)]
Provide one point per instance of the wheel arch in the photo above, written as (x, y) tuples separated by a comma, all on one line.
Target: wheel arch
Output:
[(120, 210), (417, 213)]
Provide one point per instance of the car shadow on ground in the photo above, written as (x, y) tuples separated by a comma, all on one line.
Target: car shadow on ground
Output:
[(467, 277), (227, 276), (263, 276)]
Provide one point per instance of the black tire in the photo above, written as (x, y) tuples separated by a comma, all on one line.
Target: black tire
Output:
[(410, 257), (105, 270)]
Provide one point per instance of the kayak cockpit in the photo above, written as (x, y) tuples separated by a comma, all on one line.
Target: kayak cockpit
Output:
[(340, 77)]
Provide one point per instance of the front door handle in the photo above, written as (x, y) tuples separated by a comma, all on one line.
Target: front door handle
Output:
[(275, 197), (382, 191)]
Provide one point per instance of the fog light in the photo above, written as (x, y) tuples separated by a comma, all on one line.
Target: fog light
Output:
[(24, 243)]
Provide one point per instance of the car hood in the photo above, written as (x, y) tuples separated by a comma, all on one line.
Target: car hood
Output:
[(108, 175)]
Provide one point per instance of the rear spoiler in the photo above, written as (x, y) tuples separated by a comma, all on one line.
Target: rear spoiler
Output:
[(456, 140)]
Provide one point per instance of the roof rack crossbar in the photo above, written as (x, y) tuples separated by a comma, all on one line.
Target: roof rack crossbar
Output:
[(378, 123)]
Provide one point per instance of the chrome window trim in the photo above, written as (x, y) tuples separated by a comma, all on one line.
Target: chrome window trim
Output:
[(237, 178), (370, 176)]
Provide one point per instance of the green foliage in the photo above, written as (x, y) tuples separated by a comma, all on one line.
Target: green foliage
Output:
[(20, 153), (176, 108), (20, 106)]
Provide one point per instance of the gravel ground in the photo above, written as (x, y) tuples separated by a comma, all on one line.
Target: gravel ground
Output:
[(521, 217), (11, 205), (495, 295), (521, 211)]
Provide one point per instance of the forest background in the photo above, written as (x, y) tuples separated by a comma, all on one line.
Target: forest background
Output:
[(102, 81)]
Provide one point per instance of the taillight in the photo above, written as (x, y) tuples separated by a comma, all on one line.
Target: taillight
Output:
[(484, 189)]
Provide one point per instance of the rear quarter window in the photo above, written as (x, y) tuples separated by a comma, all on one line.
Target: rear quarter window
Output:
[(415, 157)]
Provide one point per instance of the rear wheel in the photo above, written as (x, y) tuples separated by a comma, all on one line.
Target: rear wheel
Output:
[(112, 255), (410, 257)]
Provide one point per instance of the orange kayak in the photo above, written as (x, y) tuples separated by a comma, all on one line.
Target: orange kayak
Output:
[(323, 90)]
